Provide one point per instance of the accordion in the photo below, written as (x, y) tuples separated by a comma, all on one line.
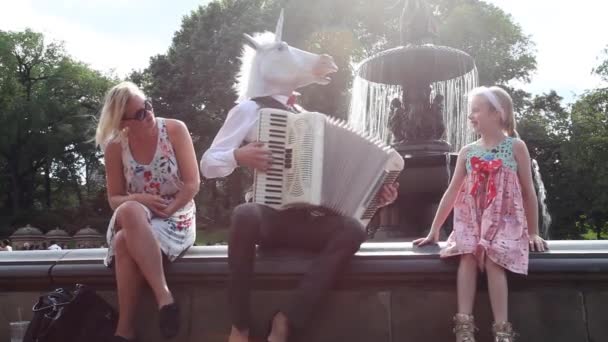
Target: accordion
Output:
[(322, 162)]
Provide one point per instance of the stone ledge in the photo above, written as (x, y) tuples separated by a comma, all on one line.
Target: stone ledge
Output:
[(384, 263), (391, 292)]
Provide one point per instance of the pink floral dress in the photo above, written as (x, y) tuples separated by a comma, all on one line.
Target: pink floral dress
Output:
[(161, 177), (489, 218)]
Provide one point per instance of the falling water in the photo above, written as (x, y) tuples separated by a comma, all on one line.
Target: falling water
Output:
[(370, 107), (545, 217)]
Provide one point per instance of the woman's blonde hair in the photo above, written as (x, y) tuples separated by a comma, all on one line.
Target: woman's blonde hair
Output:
[(501, 102), (114, 106)]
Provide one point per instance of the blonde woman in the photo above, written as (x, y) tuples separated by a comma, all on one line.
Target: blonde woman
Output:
[(152, 177)]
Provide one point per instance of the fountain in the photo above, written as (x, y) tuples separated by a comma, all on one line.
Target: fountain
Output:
[(544, 218), (414, 97)]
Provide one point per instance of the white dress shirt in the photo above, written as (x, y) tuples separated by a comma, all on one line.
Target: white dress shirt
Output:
[(240, 127)]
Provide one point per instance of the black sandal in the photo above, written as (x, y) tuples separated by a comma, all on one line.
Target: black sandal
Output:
[(169, 320)]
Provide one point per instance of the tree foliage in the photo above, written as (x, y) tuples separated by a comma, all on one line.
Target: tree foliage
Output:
[(48, 104), (571, 146)]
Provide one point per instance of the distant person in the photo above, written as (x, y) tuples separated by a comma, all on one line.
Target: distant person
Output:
[(54, 246), (495, 211), (5, 245), (152, 176)]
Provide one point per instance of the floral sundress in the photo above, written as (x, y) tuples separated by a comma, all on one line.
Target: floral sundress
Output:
[(489, 218), (177, 233)]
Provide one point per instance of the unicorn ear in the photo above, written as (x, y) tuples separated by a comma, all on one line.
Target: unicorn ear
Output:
[(250, 41), (279, 30)]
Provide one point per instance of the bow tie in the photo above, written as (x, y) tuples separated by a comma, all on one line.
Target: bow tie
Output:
[(291, 101)]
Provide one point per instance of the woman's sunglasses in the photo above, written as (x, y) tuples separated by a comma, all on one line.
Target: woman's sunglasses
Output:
[(141, 114)]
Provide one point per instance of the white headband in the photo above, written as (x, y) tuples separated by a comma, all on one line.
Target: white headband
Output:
[(489, 95)]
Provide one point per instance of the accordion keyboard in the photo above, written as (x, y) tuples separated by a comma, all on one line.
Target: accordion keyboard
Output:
[(269, 185), (371, 209)]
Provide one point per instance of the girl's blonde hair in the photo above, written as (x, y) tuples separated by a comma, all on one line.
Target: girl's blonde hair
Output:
[(114, 107), (501, 102)]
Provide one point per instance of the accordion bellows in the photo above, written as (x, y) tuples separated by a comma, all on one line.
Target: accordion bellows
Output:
[(318, 161)]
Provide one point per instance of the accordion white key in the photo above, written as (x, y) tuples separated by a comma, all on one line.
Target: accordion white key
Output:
[(318, 161)]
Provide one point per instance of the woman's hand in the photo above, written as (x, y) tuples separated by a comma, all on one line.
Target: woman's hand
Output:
[(170, 210), (155, 203), (537, 243), (254, 155), (388, 194), (432, 238)]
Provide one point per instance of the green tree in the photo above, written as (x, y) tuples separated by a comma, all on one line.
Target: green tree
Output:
[(501, 50), (48, 103), (602, 69), (545, 126), (588, 155), (571, 147)]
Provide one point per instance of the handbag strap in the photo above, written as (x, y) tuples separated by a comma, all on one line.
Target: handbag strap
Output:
[(59, 297)]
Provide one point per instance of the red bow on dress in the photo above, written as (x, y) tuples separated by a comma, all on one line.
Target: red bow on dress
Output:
[(485, 170), (291, 101)]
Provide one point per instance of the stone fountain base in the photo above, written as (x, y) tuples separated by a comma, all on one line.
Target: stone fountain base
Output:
[(425, 177), (423, 148)]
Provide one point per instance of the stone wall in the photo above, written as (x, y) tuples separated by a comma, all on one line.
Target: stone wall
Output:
[(391, 292)]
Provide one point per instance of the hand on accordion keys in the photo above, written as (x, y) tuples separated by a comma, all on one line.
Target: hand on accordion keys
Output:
[(254, 155), (388, 194)]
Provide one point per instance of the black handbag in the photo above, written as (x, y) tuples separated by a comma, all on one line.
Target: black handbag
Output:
[(77, 315)]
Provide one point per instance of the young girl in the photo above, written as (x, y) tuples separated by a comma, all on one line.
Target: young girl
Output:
[(495, 211)]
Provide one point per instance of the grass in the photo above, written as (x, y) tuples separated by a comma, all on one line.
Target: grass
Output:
[(592, 235), (211, 236)]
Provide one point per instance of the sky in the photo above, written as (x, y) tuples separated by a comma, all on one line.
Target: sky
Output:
[(121, 35), (570, 38)]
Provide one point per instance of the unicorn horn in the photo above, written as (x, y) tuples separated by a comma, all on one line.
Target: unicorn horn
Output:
[(279, 31)]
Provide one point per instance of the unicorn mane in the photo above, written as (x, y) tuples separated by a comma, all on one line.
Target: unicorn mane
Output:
[(247, 72)]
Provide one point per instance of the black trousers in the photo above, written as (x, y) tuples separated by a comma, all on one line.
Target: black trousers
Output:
[(335, 238)]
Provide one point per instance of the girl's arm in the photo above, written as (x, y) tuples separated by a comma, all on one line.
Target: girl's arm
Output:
[(448, 199), (524, 172)]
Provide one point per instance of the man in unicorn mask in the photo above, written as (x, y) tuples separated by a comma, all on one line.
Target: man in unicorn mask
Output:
[(271, 71)]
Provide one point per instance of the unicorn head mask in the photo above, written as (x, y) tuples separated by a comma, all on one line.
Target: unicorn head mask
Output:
[(269, 66)]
